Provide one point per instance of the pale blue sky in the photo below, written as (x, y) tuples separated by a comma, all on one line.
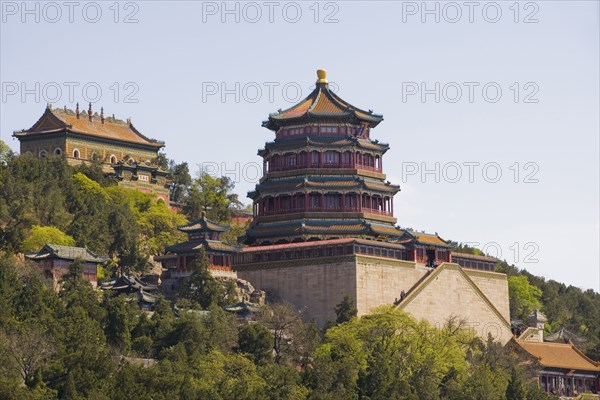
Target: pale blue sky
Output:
[(177, 53)]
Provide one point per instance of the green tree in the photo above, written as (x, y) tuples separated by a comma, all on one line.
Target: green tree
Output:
[(41, 235), (256, 341), (6, 154), (119, 321), (515, 389), (182, 180), (524, 297), (345, 310), (201, 287), (211, 195)]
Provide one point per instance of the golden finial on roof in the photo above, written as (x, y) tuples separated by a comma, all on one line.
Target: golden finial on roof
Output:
[(322, 75)]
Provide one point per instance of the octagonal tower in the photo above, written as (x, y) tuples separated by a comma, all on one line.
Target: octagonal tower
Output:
[(322, 175)]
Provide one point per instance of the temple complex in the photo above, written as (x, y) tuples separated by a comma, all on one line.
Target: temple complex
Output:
[(324, 227), (323, 175), (83, 137), (178, 262)]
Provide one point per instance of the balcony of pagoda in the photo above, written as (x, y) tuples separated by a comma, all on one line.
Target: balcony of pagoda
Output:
[(325, 203), (322, 160)]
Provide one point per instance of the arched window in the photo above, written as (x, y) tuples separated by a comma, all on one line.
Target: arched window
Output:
[(113, 159), (42, 154), (57, 151), (76, 153)]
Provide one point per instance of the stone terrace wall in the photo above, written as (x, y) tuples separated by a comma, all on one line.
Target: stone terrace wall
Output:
[(448, 293), (380, 281), (495, 287), (313, 286)]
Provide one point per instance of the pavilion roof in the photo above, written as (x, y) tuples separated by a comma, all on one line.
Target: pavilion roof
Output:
[(320, 243), (560, 355), (563, 335), (50, 251), (322, 103), (474, 257), (203, 224), (323, 182), (322, 226), (128, 283), (56, 120), (196, 245), (333, 142), (409, 236)]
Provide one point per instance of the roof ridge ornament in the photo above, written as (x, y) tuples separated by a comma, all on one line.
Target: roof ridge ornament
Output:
[(77, 111), (322, 75), (90, 112)]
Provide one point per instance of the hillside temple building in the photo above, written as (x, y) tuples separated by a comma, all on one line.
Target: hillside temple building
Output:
[(324, 227), (83, 137), (179, 261)]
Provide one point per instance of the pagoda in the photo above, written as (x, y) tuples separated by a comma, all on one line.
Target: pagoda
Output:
[(323, 175), (178, 262), (324, 228)]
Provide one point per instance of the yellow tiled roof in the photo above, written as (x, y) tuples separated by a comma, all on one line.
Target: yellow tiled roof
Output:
[(324, 105), (426, 238), (339, 227), (113, 129), (298, 110), (388, 230), (560, 355)]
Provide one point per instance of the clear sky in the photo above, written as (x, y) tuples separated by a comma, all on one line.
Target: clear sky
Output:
[(499, 101)]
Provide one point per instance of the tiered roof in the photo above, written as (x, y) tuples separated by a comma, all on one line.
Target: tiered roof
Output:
[(313, 226), (56, 120), (321, 103), (50, 251), (326, 142), (195, 245), (203, 224), (323, 182), (323, 108)]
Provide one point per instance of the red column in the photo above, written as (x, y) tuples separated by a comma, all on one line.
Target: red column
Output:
[(322, 202), (343, 201), (306, 205)]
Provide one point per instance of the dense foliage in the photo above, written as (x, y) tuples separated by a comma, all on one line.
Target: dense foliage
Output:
[(79, 344)]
